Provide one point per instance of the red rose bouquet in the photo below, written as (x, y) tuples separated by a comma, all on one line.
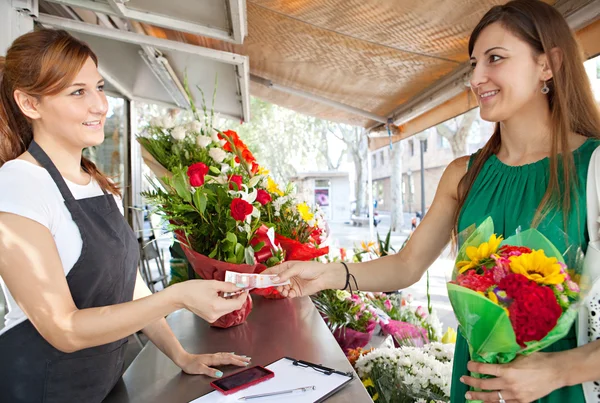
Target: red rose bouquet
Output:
[(219, 201)]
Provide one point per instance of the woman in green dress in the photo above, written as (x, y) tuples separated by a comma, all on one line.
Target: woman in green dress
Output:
[(528, 76)]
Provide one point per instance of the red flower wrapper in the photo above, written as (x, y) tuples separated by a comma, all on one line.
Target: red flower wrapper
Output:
[(211, 269), (295, 250)]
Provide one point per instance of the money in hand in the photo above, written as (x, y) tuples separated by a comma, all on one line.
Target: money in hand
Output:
[(251, 280)]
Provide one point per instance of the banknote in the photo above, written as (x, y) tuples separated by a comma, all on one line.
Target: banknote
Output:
[(251, 281)]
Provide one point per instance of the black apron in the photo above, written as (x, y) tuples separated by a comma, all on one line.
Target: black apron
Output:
[(31, 370)]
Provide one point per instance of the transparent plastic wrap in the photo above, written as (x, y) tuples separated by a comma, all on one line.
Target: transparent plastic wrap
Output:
[(514, 296)]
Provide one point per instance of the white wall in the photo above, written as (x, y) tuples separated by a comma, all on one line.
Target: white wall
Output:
[(339, 197)]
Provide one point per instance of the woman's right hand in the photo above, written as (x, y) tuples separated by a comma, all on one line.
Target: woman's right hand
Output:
[(205, 298), (307, 278)]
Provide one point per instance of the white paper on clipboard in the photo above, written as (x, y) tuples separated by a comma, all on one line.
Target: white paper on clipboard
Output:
[(287, 376)]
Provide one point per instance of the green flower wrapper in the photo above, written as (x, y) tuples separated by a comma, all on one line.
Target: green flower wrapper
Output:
[(484, 324)]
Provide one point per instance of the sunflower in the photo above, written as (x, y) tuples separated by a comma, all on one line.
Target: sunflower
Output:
[(538, 267), (479, 255)]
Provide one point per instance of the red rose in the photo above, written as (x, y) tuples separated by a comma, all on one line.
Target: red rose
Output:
[(263, 197), (196, 172), (237, 179), (240, 209)]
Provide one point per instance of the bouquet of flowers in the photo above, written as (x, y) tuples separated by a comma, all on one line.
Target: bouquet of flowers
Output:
[(513, 296), (350, 317), (407, 374), (218, 201)]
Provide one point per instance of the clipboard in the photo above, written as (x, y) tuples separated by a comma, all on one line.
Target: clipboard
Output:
[(290, 373)]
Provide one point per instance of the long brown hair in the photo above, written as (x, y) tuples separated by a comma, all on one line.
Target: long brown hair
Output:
[(39, 63), (570, 99)]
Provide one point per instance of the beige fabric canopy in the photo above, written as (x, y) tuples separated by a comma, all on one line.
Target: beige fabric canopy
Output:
[(374, 56)]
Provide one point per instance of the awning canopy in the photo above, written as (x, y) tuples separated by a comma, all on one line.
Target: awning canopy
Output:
[(362, 62), (151, 69), (350, 61)]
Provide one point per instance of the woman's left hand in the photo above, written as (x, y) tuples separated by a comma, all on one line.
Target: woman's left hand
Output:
[(200, 364), (524, 380)]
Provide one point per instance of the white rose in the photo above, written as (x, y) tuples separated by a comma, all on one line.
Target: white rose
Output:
[(178, 133), (222, 142), (217, 154), (203, 141), (215, 137), (195, 126), (168, 122)]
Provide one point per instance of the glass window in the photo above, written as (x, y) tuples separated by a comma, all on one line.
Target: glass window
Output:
[(110, 157)]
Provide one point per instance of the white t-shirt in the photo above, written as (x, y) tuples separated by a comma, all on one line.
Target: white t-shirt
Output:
[(28, 190)]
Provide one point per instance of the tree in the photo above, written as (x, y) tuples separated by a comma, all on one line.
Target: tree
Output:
[(284, 141), (396, 185), (356, 142), (457, 133)]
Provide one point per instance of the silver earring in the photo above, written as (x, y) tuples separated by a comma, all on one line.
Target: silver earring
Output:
[(545, 88)]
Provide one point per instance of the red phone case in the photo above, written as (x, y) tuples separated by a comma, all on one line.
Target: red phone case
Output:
[(270, 375)]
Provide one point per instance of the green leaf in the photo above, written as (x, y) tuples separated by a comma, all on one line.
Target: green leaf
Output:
[(259, 246), (239, 252), (214, 252), (249, 255), (181, 186), (231, 238), (215, 170), (200, 201)]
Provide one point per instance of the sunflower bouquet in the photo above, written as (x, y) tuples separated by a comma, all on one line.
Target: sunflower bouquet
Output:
[(512, 296)]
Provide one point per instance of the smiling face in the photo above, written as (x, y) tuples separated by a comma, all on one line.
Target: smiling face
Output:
[(76, 115), (507, 76)]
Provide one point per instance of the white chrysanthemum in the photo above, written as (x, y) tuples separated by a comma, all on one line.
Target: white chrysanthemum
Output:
[(217, 154), (203, 141), (178, 133)]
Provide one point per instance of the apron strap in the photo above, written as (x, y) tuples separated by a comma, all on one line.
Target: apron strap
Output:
[(40, 155)]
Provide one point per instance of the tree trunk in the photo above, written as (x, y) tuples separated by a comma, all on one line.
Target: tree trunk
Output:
[(458, 138), (396, 187)]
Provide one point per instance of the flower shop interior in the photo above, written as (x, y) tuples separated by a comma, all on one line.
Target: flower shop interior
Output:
[(390, 68)]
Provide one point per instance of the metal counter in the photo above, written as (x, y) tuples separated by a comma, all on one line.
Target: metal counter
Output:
[(274, 329)]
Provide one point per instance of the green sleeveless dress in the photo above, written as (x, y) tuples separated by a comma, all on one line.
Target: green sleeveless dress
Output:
[(511, 195)]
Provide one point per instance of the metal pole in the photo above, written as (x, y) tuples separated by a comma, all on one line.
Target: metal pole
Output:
[(370, 192), (422, 179)]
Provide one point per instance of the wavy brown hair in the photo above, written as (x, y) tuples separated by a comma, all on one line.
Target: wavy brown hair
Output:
[(570, 99), (39, 63)]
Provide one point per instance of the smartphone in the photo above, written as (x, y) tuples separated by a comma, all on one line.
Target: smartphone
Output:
[(242, 380)]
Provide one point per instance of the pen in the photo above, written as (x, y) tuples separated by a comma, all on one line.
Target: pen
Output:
[(283, 392), (325, 370)]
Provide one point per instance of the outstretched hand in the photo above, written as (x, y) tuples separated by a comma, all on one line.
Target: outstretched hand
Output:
[(306, 278)]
